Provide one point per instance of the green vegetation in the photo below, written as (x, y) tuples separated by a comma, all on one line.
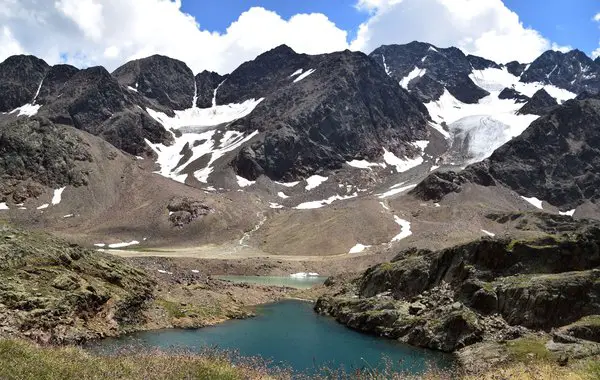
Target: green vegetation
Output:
[(179, 310), (529, 348), (51, 285), (24, 361)]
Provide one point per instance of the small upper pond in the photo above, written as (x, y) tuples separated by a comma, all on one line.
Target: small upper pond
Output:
[(298, 282), (291, 334)]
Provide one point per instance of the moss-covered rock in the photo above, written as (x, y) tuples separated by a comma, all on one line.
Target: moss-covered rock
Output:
[(53, 291)]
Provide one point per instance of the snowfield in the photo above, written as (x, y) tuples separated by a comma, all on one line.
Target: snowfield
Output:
[(324, 202)]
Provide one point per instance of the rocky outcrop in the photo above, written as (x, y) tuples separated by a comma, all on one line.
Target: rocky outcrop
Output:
[(20, 78), (183, 211), (573, 71), (54, 81), (555, 159), (93, 101), (490, 289), (264, 75), (515, 68), (479, 63), (54, 292), (165, 81), (439, 70), (511, 93), (346, 108), (540, 104), (206, 85), (35, 152)]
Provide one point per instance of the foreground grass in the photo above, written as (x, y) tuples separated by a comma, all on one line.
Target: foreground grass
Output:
[(24, 361), (20, 360)]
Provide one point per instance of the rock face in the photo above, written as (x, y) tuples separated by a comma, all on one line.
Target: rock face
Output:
[(574, 71), (264, 75), (93, 101), (485, 289), (20, 78), (54, 292), (166, 81), (183, 211), (511, 93), (206, 84), (345, 107), (54, 81), (480, 63), (515, 68), (438, 69), (540, 103), (34, 152), (555, 159)]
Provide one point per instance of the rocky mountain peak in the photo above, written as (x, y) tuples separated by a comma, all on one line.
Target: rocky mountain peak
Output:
[(343, 107), (264, 74), (427, 71), (515, 68), (166, 81), (20, 78), (55, 79), (554, 160), (573, 71), (540, 103), (206, 84), (480, 63)]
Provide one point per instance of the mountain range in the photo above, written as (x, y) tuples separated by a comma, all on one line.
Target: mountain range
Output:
[(353, 150)]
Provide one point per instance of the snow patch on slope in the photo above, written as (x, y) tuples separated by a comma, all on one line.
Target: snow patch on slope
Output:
[(57, 197), (402, 165), (315, 181), (415, 73), (358, 248), (567, 213), (304, 75), (205, 117), (537, 203), (405, 229), (243, 182), (324, 202)]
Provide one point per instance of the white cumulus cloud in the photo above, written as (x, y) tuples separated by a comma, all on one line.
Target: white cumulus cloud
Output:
[(110, 32), (481, 27)]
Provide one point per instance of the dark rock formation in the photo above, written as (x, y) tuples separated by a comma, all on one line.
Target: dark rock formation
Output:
[(54, 81), (479, 63), (206, 84), (540, 104), (347, 108), (166, 81), (183, 211), (266, 74), (556, 159), (511, 93), (93, 101), (20, 78), (448, 299), (34, 151), (574, 71), (515, 68), (444, 69)]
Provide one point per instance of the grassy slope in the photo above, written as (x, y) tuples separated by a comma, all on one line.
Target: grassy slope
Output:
[(24, 361)]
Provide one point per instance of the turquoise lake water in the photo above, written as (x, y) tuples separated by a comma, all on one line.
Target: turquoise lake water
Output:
[(290, 334), (291, 282)]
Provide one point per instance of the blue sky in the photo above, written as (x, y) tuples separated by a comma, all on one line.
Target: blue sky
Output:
[(566, 22)]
